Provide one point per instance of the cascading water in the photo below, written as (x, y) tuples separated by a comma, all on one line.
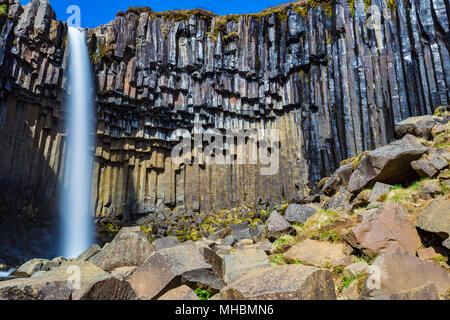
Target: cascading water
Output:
[(77, 222)]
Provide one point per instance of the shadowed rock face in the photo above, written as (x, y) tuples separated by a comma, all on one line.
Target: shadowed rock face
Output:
[(332, 86)]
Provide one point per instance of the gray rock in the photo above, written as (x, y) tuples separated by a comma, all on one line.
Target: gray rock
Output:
[(379, 192), (129, 248), (276, 225), (30, 267), (91, 251), (424, 168), (355, 269), (417, 126), (238, 264), (297, 213), (339, 202), (166, 242), (389, 164), (435, 218), (171, 267), (287, 282), (61, 284)]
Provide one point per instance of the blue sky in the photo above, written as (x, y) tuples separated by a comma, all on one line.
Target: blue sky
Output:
[(96, 12)]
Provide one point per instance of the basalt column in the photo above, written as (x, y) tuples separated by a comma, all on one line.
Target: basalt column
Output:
[(328, 79)]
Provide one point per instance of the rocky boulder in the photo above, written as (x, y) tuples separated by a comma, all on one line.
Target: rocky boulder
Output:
[(172, 267), (339, 202), (426, 292), (287, 282), (398, 272), (417, 126), (89, 253), (340, 177), (33, 266), (317, 253), (389, 164), (384, 230), (166, 242), (297, 213), (78, 280), (276, 226), (242, 262), (436, 218), (129, 248)]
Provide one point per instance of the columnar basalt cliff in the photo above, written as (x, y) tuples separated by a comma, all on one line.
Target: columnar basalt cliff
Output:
[(331, 81)]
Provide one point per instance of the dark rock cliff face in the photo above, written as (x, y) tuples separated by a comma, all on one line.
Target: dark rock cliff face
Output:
[(333, 85)]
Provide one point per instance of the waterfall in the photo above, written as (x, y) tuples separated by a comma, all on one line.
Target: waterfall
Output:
[(76, 213)]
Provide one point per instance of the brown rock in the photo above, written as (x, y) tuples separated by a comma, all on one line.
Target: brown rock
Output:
[(379, 192), (170, 267), (400, 271), (123, 273), (179, 294), (425, 292), (129, 248), (426, 254), (276, 226), (418, 126), (287, 282), (424, 168), (62, 284), (242, 262), (384, 230), (317, 253), (389, 164), (436, 218)]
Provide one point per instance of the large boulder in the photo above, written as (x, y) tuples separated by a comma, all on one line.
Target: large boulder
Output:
[(389, 164), (297, 213), (384, 230), (76, 280), (33, 266), (129, 248), (276, 226), (400, 271), (287, 282), (436, 218), (317, 253), (89, 253), (166, 242), (242, 262), (340, 177), (171, 267), (417, 126), (426, 292)]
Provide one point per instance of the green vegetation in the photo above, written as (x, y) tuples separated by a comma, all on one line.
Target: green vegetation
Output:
[(329, 236), (202, 294), (347, 281), (392, 4), (4, 10), (441, 111), (277, 259)]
